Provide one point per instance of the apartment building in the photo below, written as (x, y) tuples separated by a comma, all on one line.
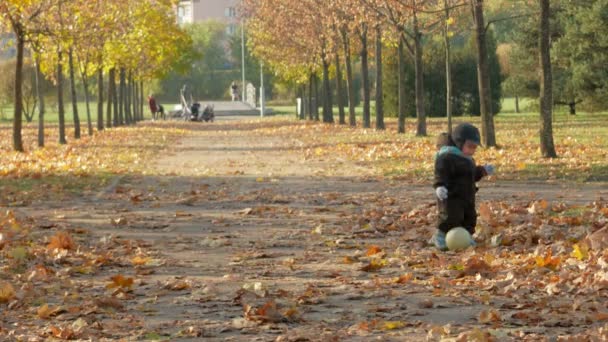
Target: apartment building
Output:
[(191, 11), (7, 46)]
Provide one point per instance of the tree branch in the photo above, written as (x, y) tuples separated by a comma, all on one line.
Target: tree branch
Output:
[(505, 18)]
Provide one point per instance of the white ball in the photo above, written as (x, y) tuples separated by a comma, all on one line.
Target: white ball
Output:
[(458, 238)]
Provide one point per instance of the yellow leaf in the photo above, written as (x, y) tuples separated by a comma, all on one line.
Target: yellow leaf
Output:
[(139, 260), (45, 311), (259, 179), (7, 292), (521, 166), (580, 251), (392, 325)]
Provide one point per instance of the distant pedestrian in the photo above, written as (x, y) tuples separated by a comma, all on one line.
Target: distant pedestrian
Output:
[(153, 106), (234, 90)]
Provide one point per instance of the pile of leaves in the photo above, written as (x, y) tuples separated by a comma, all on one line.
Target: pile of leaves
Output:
[(62, 283)]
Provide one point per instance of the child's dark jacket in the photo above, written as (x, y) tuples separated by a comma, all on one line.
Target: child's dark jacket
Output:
[(458, 173)]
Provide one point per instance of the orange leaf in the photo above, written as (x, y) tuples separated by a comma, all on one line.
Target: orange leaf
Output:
[(600, 316), (62, 333), (349, 260), (404, 278), (7, 292), (373, 250), (548, 261), (120, 282), (61, 240), (489, 316)]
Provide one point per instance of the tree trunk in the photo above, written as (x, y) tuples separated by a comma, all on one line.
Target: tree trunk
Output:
[(41, 109), (328, 113), (100, 99), (18, 113), (401, 87), (141, 99), (135, 97), (365, 76), (73, 94), (310, 96), (339, 91), (60, 108), (572, 106), (87, 100), (379, 96), (121, 96), (547, 147), (109, 105), (488, 135), (124, 92), (128, 85), (420, 112), (448, 68), (352, 118), (315, 100), (516, 104), (115, 103)]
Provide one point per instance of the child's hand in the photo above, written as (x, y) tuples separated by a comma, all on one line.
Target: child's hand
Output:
[(442, 193), (489, 169)]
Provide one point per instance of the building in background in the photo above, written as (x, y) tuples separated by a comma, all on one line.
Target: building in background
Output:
[(191, 11), (7, 46)]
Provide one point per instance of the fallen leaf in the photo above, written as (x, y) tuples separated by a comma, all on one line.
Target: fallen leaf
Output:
[(178, 285), (489, 316), (392, 325), (372, 250), (119, 281), (46, 312), (405, 278), (548, 261), (374, 265), (580, 251), (61, 240), (7, 292), (140, 260), (109, 302), (65, 333)]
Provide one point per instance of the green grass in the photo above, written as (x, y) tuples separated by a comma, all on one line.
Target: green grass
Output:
[(52, 116)]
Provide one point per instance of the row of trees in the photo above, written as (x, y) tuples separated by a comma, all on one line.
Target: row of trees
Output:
[(124, 41), (307, 38)]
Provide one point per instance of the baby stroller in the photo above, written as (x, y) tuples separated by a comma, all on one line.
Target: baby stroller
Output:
[(206, 114)]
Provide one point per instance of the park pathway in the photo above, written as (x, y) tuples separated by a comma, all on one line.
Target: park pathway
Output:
[(252, 242)]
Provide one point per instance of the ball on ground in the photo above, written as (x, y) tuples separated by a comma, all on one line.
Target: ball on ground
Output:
[(458, 238)]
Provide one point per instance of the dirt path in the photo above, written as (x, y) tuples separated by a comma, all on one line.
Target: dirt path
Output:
[(243, 227)]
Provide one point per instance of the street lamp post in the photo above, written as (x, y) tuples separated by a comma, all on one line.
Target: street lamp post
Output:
[(243, 86), (262, 89)]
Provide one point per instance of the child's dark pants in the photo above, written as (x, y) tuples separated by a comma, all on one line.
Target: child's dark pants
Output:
[(456, 212)]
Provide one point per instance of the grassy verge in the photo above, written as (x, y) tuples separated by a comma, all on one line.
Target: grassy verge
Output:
[(580, 141)]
